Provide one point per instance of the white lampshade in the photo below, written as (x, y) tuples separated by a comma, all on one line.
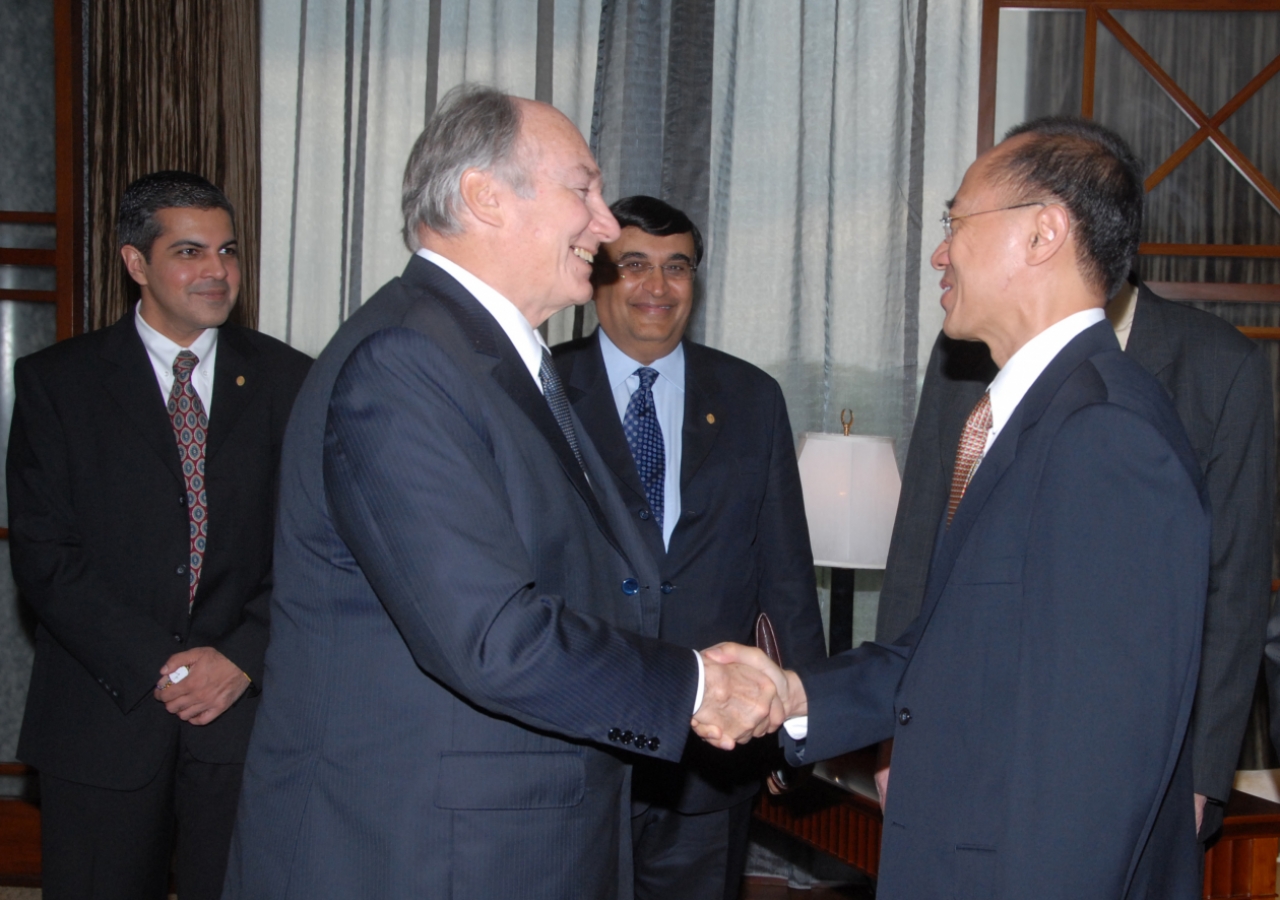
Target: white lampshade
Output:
[(851, 487)]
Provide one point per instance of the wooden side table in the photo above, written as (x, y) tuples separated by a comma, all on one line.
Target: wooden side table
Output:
[(837, 811)]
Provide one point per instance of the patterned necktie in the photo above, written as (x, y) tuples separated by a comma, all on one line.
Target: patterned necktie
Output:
[(644, 436), (190, 425), (973, 440), (554, 392)]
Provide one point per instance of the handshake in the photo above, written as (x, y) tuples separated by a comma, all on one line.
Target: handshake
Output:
[(744, 696)]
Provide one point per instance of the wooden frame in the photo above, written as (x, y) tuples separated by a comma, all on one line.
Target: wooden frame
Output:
[(67, 256), (1098, 12)]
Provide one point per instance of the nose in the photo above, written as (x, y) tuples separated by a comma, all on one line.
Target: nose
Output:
[(655, 281), (941, 257), (603, 224), (216, 266)]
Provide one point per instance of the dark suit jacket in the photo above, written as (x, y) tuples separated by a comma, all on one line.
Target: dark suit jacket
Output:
[(448, 687), (1220, 382), (1040, 701), (98, 529), (741, 545)]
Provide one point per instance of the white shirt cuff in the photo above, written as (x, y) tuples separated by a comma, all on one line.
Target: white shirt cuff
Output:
[(702, 682), (797, 728)]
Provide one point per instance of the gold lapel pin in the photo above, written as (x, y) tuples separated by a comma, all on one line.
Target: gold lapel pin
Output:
[(711, 420), (240, 380)]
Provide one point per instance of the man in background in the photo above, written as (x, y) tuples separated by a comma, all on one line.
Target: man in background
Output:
[(142, 480), (700, 448), (463, 657)]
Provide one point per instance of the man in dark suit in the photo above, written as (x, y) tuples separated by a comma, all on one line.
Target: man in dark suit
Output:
[(1220, 382), (1040, 702), (719, 506), (142, 479), (454, 702)]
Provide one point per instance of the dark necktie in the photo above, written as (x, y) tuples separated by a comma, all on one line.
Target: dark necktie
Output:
[(190, 426), (644, 436), (554, 392), (973, 440)]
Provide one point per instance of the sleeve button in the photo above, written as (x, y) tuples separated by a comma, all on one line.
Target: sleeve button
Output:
[(653, 743)]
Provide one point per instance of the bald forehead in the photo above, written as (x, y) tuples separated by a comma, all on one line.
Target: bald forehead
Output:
[(547, 134)]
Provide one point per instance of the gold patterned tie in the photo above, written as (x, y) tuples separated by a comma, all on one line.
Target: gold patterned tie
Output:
[(973, 440)]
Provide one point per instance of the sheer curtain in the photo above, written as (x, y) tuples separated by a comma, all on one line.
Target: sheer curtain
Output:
[(346, 87)]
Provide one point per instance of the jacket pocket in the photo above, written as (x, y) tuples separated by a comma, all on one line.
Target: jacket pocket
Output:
[(975, 872), (510, 780)]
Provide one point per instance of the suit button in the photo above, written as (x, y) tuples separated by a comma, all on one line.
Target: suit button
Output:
[(653, 743), (181, 570), (626, 737), (629, 587), (667, 587), (640, 741), (177, 638), (182, 501), (614, 734), (904, 716), (644, 514)]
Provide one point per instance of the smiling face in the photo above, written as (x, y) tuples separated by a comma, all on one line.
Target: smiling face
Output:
[(555, 231), (645, 316), (981, 262), (191, 281)]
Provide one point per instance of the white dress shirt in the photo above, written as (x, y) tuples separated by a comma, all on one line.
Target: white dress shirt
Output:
[(162, 352), (668, 401), (526, 339), (1007, 390), (529, 344)]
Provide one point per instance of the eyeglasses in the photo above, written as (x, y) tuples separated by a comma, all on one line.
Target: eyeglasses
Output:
[(634, 270), (948, 219)]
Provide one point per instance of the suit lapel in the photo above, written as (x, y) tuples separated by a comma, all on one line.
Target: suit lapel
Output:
[(702, 415), (1003, 452), (236, 380), (509, 371), (591, 396), (1149, 344), (131, 382)]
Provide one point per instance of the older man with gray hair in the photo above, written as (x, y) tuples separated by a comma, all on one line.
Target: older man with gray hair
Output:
[(459, 670)]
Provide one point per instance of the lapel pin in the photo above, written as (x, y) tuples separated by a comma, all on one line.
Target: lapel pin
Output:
[(711, 420), (240, 380)]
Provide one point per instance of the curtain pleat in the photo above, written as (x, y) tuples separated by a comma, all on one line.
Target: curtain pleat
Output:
[(172, 84)]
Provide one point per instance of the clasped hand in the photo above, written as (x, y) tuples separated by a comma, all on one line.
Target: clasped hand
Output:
[(744, 696)]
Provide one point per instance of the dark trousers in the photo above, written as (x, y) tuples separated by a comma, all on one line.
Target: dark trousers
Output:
[(690, 856), (101, 844)]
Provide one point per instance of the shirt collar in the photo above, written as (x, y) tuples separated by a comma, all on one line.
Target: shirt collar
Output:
[(620, 367), (526, 339), (163, 348), (1023, 368)]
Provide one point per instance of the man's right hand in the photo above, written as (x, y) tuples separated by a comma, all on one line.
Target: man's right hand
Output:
[(741, 696)]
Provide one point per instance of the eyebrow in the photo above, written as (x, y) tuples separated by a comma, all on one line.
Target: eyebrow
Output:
[(640, 254)]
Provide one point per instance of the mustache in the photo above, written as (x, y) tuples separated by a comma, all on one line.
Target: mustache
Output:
[(213, 284)]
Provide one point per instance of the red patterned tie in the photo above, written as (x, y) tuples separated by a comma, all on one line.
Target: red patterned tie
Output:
[(973, 440), (190, 425)]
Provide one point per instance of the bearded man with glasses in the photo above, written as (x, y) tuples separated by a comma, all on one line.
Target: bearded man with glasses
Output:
[(702, 454)]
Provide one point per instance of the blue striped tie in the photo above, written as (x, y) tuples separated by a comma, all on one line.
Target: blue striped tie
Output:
[(559, 403)]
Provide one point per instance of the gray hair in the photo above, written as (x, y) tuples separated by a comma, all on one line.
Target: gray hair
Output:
[(474, 127)]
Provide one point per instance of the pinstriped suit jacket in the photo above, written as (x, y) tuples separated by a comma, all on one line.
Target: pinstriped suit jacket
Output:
[(448, 663)]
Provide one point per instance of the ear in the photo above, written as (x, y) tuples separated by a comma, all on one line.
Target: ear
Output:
[(482, 197), (135, 262), (1053, 228)]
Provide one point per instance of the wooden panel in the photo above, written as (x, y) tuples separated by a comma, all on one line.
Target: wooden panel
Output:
[(1207, 292), (19, 843), (27, 218), (68, 148), (988, 56), (36, 296), (845, 825), (27, 256), (1252, 251)]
